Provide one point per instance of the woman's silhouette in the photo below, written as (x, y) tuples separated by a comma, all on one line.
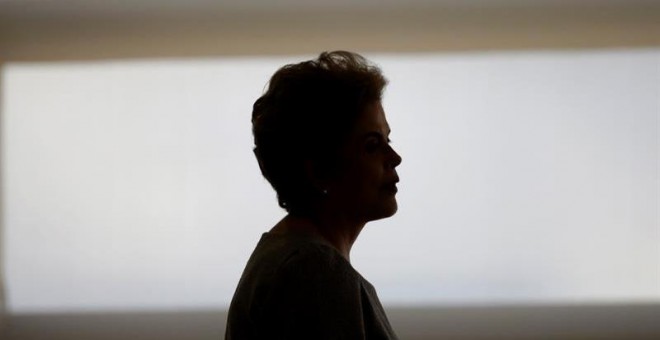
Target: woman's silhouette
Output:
[(321, 140)]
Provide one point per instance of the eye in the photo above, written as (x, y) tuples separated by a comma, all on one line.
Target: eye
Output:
[(372, 144)]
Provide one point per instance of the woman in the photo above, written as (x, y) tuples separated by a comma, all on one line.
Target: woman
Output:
[(321, 140)]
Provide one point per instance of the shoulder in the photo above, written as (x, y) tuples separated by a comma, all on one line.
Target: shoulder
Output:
[(298, 288), (315, 292), (280, 262), (311, 273), (314, 263)]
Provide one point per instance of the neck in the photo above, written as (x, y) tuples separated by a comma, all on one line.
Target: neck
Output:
[(338, 232)]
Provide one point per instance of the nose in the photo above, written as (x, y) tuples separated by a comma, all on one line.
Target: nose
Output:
[(395, 158)]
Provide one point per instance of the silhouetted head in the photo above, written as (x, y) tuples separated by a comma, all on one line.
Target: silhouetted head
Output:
[(308, 127)]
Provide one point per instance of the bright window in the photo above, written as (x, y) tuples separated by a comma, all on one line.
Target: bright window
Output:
[(526, 177)]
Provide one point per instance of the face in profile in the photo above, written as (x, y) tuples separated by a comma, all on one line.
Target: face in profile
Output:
[(365, 186)]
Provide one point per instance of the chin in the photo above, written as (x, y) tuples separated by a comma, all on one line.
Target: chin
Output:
[(385, 212), (393, 210)]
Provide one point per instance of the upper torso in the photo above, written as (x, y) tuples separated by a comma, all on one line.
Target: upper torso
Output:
[(297, 286)]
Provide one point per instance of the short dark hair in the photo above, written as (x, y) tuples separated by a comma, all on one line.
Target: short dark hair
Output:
[(305, 115)]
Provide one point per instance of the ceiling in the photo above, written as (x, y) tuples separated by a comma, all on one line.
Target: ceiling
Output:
[(32, 30), (17, 9)]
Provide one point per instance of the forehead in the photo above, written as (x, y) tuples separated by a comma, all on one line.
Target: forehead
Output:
[(372, 120)]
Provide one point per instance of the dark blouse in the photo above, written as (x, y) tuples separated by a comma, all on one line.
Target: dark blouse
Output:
[(299, 287)]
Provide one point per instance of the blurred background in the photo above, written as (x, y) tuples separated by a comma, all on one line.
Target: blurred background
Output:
[(530, 183)]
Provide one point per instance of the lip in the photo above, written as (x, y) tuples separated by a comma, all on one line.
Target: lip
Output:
[(391, 188)]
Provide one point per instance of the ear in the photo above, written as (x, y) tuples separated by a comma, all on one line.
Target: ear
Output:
[(316, 176)]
